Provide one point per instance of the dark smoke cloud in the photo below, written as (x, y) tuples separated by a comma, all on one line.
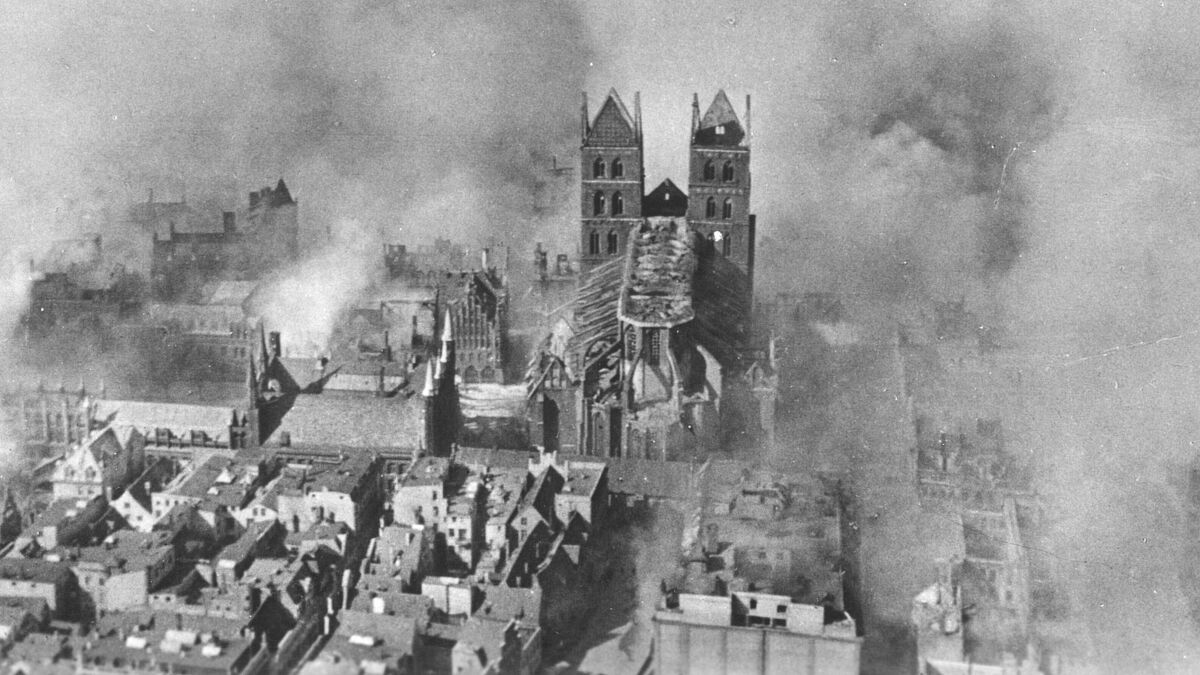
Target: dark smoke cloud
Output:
[(1038, 159), (374, 110)]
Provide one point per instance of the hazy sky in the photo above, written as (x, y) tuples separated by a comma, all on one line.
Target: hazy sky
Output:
[(1037, 158)]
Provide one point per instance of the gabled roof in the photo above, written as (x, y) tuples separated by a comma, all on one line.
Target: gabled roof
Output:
[(281, 196), (720, 117), (613, 125), (665, 200)]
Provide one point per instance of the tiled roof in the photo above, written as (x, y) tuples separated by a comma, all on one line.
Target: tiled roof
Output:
[(180, 418), (613, 125), (357, 420)]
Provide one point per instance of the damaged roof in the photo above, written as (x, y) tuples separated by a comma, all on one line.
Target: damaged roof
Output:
[(656, 291)]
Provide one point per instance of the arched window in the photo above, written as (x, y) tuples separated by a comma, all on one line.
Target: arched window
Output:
[(598, 168), (612, 242), (727, 172), (727, 209), (618, 205), (618, 168), (710, 208), (725, 244), (594, 243), (598, 203), (710, 172)]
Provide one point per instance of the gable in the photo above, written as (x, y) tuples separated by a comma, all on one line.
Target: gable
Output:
[(613, 125), (720, 124)]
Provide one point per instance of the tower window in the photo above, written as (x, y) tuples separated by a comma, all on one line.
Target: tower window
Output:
[(612, 242), (594, 243), (598, 203), (653, 347), (618, 168), (598, 168), (618, 204), (727, 209), (727, 172), (710, 208), (725, 245), (710, 172)]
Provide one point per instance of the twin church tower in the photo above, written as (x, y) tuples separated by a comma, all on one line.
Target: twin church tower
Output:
[(613, 200)]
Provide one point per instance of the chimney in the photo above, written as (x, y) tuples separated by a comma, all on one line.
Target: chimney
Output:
[(229, 221), (253, 199), (771, 353), (483, 259), (276, 344), (327, 625), (346, 589), (387, 347)]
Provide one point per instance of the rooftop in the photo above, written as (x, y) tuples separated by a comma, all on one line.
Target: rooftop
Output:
[(334, 418)]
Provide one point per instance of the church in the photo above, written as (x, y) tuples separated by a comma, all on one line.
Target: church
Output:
[(655, 358)]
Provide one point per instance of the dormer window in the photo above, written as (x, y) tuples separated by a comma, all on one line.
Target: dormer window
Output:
[(720, 130), (618, 169), (598, 168)]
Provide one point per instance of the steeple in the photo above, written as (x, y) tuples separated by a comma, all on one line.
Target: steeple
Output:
[(447, 360), (718, 196), (612, 179), (428, 391)]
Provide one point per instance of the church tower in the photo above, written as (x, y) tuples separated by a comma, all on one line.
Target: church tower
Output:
[(612, 180), (719, 180)]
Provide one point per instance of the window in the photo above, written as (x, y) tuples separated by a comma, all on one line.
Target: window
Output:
[(618, 168), (435, 494), (727, 172), (727, 209), (435, 511), (653, 347), (598, 168), (710, 208), (782, 609), (612, 242), (710, 172), (594, 243), (598, 203), (725, 245), (618, 204), (720, 129), (753, 603)]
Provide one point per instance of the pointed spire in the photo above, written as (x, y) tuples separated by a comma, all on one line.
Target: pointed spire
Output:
[(637, 115), (695, 113), (747, 119), (448, 328), (584, 125), (428, 391)]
